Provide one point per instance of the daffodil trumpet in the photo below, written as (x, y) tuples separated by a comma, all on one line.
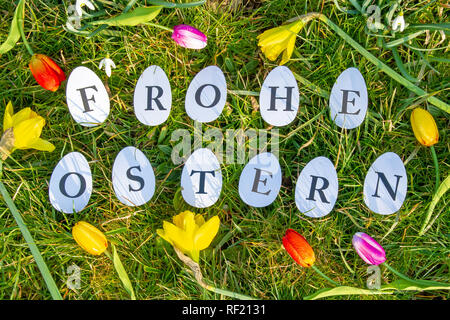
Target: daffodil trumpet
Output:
[(382, 66), (189, 234)]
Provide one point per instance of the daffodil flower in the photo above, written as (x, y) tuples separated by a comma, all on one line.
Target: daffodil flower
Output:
[(399, 23), (279, 39), (107, 63), (81, 3), (189, 233), (22, 131)]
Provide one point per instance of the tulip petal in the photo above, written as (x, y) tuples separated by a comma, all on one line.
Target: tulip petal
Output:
[(43, 145), (89, 238), (52, 65), (424, 127), (298, 248), (7, 119), (189, 37), (206, 233), (46, 72), (368, 249)]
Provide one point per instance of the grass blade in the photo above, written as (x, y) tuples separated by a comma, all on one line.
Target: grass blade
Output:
[(443, 188), (14, 32), (51, 285)]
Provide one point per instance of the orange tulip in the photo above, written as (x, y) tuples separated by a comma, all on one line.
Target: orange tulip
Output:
[(298, 248), (46, 72)]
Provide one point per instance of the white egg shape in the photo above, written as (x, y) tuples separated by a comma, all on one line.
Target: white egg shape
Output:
[(87, 98), (279, 97), (206, 95), (386, 184), (260, 180), (201, 179), (349, 99), (152, 97), (317, 188), (133, 177), (71, 183)]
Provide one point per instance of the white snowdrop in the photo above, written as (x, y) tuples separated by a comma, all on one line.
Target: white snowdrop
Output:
[(107, 63)]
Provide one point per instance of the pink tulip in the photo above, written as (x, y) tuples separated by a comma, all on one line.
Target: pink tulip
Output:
[(189, 37), (368, 249)]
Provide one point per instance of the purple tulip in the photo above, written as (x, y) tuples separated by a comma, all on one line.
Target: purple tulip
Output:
[(189, 37), (368, 249)]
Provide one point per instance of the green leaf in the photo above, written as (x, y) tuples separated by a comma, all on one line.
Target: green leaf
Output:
[(133, 18), (417, 285), (122, 273), (342, 291), (176, 5), (14, 32), (401, 285), (443, 188)]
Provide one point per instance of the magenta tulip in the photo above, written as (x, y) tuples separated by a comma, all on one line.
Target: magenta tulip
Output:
[(189, 37), (368, 249)]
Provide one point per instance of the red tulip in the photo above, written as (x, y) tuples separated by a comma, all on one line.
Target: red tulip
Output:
[(298, 248), (46, 72)]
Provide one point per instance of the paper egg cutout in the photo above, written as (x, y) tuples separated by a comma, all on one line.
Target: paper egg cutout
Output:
[(87, 98), (260, 180), (201, 179), (317, 188), (152, 97), (206, 95), (349, 99), (71, 183), (133, 177), (279, 97), (386, 184)]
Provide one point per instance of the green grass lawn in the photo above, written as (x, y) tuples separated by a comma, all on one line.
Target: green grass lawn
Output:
[(247, 255)]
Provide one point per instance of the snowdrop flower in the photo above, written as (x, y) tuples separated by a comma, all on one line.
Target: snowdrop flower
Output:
[(81, 3), (107, 63), (399, 22)]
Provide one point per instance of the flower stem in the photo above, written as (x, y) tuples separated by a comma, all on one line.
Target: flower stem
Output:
[(227, 293), (383, 67), (401, 275), (51, 285), (436, 168), (324, 276), (20, 25), (159, 26)]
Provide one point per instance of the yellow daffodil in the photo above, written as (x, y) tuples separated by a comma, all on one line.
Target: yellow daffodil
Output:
[(22, 131), (424, 127), (274, 41), (89, 238), (189, 233)]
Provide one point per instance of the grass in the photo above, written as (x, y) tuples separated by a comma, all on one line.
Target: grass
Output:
[(246, 255)]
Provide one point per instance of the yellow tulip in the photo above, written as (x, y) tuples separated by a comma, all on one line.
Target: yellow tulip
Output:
[(89, 238), (190, 233), (22, 131), (424, 127), (276, 40)]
